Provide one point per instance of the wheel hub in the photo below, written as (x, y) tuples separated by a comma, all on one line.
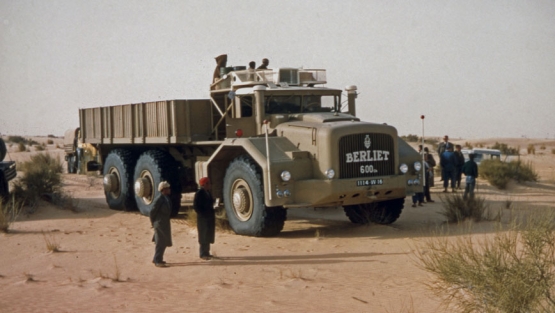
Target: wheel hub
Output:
[(241, 201), (143, 187), (110, 182)]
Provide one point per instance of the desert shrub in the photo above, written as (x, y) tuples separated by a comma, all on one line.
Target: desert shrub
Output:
[(500, 173), (505, 149), (531, 149), (49, 141), (511, 271), (480, 145), (410, 138), (21, 147), (552, 151), (39, 148), (42, 175), (468, 145), (17, 139), (9, 211), (457, 209), (542, 147), (51, 136)]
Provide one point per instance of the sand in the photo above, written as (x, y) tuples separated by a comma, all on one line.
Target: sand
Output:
[(320, 262)]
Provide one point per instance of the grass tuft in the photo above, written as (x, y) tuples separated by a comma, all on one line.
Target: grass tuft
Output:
[(51, 243), (511, 271), (9, 211), (456, 209)]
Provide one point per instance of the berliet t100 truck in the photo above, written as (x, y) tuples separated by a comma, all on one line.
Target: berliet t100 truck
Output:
[(269, 140)]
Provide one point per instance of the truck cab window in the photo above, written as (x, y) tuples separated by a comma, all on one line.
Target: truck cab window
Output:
[(246, 106)]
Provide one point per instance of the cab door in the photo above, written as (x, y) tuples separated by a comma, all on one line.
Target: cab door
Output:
[(241, 122)]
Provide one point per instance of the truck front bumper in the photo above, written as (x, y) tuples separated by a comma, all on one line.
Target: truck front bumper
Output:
[(339, 192)]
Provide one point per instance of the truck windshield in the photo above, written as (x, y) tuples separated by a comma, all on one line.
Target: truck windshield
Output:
[(300, 104)]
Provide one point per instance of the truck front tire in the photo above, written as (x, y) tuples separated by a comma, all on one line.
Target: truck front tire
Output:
[(385, 212), (244, 201), (153, 167), (118, 180)]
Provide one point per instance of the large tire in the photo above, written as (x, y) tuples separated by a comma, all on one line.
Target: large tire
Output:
[(118, 180), (3, 150), (244, 201), (153, 167), (4, 190), (384, 213)]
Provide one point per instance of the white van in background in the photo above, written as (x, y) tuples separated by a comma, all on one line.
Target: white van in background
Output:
[(482, 154)]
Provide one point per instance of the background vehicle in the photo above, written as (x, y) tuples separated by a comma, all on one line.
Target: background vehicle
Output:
[(270, 140), (482, 154), (7, 171)]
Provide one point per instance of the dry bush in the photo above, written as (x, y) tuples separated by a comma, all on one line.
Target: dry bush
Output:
[(531, 149), (9, 211), (51, 243), (21, 147), (42, 175), (511, 271), (552, 151), (468, 145), (456, 209), (39, 148), (499, 173), (542, 147), (49, 141)]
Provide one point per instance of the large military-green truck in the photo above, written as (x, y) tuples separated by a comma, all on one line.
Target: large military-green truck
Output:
[(270, 140)]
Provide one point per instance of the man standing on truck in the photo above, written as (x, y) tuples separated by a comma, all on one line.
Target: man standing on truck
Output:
[(206, 217), (160, 220)]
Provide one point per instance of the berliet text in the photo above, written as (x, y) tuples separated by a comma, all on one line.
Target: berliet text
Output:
[(367, 155)]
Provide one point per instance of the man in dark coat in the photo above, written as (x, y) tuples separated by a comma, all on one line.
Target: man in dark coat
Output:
[(448, 163), (160, 220), (460, 162), (470, 170), (206, 217)]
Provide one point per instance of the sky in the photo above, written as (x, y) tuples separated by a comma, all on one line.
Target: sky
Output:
[(473, 68)]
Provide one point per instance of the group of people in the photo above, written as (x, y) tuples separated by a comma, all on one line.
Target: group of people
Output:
[(221, 61), (453, 165), (203, 205)]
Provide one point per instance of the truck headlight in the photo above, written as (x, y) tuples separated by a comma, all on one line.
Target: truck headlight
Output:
[(403, 168), (417, 166), (330, 173), (285, 176)]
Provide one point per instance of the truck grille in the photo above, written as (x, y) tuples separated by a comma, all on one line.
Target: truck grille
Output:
[(366, 155)]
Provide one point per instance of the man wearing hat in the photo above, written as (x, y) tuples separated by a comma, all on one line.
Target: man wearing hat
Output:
[(160, 220), (206, 217)]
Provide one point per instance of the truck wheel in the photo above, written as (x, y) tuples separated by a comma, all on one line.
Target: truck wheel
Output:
[(118, 180), (153, 167), (385, 212), (4, 191), (244, 201), (3, 150)]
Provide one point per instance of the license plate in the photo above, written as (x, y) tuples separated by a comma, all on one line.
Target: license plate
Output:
[(369, 182)]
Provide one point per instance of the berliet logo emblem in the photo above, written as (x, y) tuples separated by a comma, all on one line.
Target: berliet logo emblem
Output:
[(367, 142)]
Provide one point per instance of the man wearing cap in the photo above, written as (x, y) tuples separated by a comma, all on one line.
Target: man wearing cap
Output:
[(206, 217), (160, 220)]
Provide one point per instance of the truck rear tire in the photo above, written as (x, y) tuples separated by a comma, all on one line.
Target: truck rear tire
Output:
[(3, 150), (385, 212), (4, 190), (244, 201), (153, 167), (118, 180)]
